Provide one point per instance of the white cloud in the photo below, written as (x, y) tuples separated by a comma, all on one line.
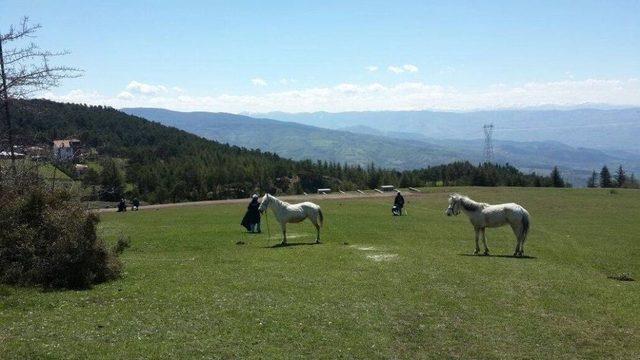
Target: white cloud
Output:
[(372, 68), (259, 82), (410, 68), (376, 96), (404, 68), (146, 89), (347, 88), (125, 95)]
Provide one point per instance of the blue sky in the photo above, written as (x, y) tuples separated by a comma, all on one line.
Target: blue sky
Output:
[(341, 55)]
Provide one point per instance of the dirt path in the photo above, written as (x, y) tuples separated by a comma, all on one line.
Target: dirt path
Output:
[(288, 198)]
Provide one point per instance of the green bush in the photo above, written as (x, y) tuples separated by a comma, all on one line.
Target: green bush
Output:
[(123, 243), (48, 239)]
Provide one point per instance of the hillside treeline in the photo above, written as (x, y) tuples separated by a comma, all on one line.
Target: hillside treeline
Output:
[(140, 158)]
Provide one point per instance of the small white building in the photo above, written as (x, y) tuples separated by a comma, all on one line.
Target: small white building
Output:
[(7, 155), (387, 187), (65, 150), (324, 191)]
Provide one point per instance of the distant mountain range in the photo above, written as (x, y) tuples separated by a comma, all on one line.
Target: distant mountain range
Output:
[(590, 128), (299, 141), (399, 146)]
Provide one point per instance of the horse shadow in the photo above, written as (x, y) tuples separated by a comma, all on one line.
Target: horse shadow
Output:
[(290, 244), (500, 256)]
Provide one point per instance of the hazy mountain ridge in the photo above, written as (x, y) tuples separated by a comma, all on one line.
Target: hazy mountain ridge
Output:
[(299, 141), (590, 128)]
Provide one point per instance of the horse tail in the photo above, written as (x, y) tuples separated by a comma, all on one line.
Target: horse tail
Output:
[(525, 223), (320, 216)]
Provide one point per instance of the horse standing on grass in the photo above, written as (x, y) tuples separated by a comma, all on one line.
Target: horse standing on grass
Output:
[(484, 215), (292, 213)]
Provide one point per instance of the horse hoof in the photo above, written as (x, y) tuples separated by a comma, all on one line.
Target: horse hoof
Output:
[(486, 253), (476, 252)]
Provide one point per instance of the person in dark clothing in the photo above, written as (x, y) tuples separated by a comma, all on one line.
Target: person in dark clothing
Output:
[(135, 204), (398, 204), (122, 206), (251, 220)]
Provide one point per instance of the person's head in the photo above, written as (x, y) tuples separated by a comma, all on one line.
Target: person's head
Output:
[(399, 193), (254, 196)]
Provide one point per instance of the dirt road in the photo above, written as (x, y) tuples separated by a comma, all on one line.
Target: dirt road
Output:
[(288, 198)]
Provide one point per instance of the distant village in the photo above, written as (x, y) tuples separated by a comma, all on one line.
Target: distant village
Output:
[(59, 151)]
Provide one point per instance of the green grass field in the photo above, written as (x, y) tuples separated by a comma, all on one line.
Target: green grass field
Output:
[(378, 287)]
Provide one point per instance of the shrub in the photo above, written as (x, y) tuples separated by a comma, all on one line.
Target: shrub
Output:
[(123, 243), (48, 239)]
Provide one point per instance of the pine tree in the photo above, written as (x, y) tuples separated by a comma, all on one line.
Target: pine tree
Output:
[(556, 178), (621, 177), (112, 180), (593, 180), (632, 181), (605, 178)]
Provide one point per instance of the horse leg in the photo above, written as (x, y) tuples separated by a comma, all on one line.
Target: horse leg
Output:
[(314, 221), (484, 241), (477, 239), (523, 237), (284, 234), (317, 232), (517, 232), (518, 250)]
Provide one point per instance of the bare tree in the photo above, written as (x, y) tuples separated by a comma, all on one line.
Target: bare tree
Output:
[(26, 70)]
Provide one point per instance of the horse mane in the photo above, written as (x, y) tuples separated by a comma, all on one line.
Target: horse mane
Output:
[(469, 204), (281, 202)]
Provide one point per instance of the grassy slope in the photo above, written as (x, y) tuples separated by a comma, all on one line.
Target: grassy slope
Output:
[(46, 170), (190, 291)]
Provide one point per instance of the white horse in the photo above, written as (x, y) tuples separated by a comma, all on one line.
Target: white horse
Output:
[(484, 215), (292, 213)]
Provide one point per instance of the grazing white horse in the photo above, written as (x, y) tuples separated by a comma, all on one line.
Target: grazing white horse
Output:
[(484, 215), (292, 213)]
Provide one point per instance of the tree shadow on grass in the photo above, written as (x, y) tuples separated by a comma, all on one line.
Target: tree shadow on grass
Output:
[(500, 256), (280, 245)]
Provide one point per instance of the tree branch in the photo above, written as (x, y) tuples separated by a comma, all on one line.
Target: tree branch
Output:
[(23, 30), (27, 69)]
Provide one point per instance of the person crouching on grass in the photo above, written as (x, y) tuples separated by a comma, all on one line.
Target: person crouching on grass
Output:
[(135, 204), (122, 205), (251, 219), (398, 205)]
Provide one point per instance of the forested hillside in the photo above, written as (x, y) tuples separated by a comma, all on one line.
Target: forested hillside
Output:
[(163, 164), (299, 141)]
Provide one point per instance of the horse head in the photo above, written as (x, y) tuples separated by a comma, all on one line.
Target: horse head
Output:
[(264, 204), (454, 205)]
